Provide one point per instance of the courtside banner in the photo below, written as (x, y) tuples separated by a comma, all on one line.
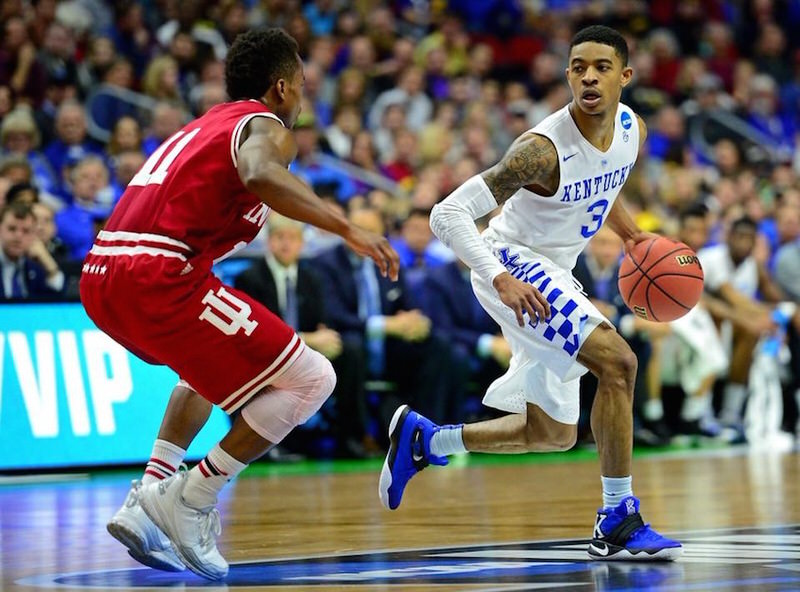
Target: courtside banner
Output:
[(73, 396)]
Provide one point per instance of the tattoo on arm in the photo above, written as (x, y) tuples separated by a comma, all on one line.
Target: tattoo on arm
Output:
[(531, 160)]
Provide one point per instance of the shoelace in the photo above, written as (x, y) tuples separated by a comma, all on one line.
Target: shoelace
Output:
[(133, 498), (209, 526)]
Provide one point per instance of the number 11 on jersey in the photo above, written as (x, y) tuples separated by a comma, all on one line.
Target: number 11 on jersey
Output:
[(148, 176)]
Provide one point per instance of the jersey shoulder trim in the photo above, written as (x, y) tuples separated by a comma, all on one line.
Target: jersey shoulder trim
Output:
[(237, 132)]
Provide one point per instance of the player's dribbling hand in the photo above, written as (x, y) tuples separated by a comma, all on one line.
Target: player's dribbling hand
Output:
[(377, 248), (521, 297), (638, 238)]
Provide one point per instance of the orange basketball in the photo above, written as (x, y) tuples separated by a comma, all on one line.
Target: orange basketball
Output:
[(661, 279)]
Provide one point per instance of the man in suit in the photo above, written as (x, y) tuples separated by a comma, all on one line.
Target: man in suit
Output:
[(289, 287), (27, 270), (479, 352), (376, 315)]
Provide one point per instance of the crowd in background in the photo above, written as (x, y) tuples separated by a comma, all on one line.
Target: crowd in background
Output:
[(405, 100)]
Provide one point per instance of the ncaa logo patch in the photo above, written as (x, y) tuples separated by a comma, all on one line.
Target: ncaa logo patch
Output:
[(626, 120)]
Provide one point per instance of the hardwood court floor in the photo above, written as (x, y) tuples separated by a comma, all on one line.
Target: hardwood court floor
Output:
[(498, 514)]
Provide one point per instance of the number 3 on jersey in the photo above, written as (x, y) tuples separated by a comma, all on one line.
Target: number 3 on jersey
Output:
[(597, 210), (148, 176)]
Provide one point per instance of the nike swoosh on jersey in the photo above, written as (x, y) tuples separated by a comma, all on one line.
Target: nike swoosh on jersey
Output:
[(565, 158)]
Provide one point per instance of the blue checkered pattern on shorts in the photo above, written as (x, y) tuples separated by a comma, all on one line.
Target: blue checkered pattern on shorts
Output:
[(566, 317)]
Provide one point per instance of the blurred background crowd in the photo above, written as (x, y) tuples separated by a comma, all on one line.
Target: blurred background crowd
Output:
[(405, 100)]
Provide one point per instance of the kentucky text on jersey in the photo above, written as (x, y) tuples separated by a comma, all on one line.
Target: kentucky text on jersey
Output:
[(592, 186)]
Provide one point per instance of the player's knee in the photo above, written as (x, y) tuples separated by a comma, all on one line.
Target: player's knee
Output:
[(293, 399), (565, 439), (319, 386), (619, 364)]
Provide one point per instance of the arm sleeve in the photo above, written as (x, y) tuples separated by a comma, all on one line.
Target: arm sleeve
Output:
[(453, 222)]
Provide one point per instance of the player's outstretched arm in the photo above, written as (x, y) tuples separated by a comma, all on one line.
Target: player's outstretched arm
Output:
[(532, 159), (266, 150)]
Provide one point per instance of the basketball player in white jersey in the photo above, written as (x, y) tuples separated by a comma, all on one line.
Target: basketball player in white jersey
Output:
[(557, 184)]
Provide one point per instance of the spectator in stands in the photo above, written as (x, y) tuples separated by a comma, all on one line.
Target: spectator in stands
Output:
[(416, 245), (58, 54), (734, 276), (401, 162), (99, 58), (367, 309), (20, 69), (28, 271), (351, 89), (125, 137), (688, 354), (79, 223), (410, 92), (308, 166), (125, 166), (20, 136), (46, 232), (341, 133), (71, 143), (205, 96), (131, 36), (160, 81), (291, 288), (479, 353), (16, 169), (167, 120), (764, 115), (23, 193)]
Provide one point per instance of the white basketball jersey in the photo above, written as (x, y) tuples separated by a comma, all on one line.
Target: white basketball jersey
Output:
[(559, 226)]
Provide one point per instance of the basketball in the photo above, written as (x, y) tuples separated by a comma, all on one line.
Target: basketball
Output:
[(661, 279)]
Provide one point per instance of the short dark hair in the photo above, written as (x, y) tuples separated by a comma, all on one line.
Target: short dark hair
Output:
[(605, 36), (695, 210), (19, 209), (15, 190), (418, 211), (744, 222), (257, 60)]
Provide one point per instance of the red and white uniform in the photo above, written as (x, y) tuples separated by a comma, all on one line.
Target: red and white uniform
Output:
[(147, 280)]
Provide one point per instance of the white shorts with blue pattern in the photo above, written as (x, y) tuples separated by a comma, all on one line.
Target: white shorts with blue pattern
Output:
[(544, 369)]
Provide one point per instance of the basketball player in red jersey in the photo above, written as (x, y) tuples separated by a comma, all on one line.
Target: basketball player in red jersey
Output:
[(147, 282)]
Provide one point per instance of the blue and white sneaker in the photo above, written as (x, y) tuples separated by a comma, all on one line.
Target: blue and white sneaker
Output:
[(409, 452), (620, 534)]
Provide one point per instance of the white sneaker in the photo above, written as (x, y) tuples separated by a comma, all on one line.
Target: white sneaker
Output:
[(191, 531), (146, 543)]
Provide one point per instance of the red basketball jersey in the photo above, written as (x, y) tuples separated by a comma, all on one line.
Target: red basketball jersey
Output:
[(189, 189)]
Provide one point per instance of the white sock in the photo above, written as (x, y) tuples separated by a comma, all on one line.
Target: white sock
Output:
[(694, 408), (615, 489), (164, 461), (209, 476), (732, 403), (448, 440), (653, 410)]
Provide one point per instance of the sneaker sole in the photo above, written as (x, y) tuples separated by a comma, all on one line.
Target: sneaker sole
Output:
[(137, 548), (668, 554), (189, 560), (386, 472)]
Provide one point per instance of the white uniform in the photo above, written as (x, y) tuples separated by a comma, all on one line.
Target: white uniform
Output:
[(538, 239)]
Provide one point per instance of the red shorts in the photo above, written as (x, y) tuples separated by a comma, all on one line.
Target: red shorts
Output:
[(226, 345)]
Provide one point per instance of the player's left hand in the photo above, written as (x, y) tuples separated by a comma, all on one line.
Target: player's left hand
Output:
[(377, 248), (638, 238)]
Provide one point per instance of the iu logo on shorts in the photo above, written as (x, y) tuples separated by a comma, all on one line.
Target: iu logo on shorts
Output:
[(227, 312)]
